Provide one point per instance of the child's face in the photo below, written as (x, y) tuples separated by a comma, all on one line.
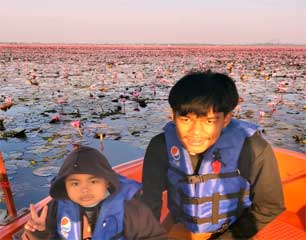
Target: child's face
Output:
[(86, 190), (197, 134)]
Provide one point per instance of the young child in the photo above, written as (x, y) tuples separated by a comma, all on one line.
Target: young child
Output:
[(221, 175), (91, 201)]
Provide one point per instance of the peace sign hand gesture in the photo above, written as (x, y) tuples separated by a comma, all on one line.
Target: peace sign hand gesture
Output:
[(37, 223)]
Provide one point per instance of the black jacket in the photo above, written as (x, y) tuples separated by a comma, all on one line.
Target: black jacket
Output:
[(257, 164)]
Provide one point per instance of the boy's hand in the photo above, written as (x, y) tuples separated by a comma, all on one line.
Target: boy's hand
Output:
[(37, 223)]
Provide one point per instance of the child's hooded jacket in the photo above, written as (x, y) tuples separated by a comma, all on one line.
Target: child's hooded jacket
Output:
[(139, 222), (84, 160)]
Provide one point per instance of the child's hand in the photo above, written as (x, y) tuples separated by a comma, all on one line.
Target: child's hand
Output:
[(37, 223)]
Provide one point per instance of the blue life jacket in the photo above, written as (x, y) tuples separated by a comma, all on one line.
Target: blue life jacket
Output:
[(208, 201), (109, 224)]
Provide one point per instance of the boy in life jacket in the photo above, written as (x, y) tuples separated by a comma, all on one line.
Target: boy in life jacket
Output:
[(91, 201), (221, 176)]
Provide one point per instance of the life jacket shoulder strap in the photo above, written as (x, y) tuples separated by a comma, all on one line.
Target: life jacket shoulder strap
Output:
[(204, 178), (117, 236)]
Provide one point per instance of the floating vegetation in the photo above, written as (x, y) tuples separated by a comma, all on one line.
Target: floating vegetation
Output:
[(123, 95), (14, 133), (2, 128), (45, 171), (300, 139)]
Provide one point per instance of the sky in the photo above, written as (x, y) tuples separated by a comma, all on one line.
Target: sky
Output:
[(154, 21)]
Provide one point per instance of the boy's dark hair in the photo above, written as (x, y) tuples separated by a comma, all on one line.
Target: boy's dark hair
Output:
[(198, 92)]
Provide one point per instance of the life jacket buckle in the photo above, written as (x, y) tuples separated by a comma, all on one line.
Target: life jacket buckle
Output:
[(223, 228)]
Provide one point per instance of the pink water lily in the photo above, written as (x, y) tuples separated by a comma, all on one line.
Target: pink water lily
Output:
[(271, 104), (55, 118), (61, 101), (114, 77), (276, 97), (136, 94), (262, 114), (9, 99), (7, 104), (77, 125), (237, 108), (281, 89), (237, 111)]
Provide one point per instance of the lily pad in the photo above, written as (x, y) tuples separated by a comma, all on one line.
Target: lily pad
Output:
[(17, 133), (46, 171)]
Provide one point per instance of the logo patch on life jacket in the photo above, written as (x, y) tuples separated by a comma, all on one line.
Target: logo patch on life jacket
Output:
[(175, 153), (65, 226), (217, 164)]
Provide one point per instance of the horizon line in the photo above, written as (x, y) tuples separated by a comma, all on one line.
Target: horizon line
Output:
[(159, 44)]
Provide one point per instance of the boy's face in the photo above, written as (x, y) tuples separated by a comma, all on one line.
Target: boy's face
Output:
[(85, 189), (197, 134)]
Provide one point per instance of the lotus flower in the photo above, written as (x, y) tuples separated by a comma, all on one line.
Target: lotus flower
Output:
[(136, 94), (61, 101), (237, 108), (8, 99), (55, 118), (77, 125), (7, 104)]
